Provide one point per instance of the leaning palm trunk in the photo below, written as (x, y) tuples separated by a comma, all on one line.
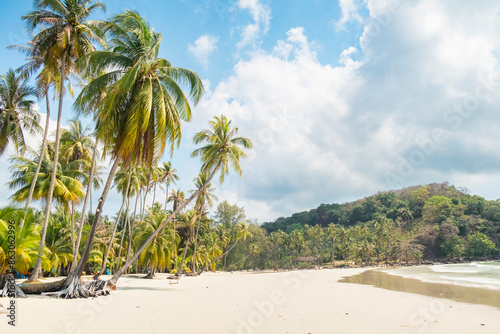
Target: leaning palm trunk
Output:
[(110, 244), (85, 203), (123, 269), (73, 286), (38, 266), (39, 165), (179, 271)]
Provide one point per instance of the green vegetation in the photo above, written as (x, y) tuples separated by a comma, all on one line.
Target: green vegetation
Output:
[(422, 222)]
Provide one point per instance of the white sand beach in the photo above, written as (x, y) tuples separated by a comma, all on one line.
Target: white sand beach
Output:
[(296, 302)]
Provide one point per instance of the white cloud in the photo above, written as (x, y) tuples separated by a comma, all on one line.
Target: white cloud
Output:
[(261, 15), (350, 12), (326, 133), (203, 47)]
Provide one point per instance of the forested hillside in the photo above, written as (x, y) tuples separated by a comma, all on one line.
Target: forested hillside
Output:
[(433, 221)]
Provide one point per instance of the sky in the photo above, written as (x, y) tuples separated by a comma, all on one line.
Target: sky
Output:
[(342, 99)]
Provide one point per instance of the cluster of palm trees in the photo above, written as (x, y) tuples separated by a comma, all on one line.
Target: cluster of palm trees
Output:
[(137, 101)]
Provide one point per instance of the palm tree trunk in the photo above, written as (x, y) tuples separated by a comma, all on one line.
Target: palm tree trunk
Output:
[(127, 222), (110, 244), (97, 217), (39, 165), (166, 198), (127, 264), (154, 193), (73, 225), (179, 271), (196, 238), (85, 203), (38, 266)]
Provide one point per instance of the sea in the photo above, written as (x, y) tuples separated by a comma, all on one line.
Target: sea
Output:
[(474, 274)]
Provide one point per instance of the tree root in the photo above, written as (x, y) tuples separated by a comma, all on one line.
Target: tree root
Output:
[(150, 275), (75, 288), (10, 288)]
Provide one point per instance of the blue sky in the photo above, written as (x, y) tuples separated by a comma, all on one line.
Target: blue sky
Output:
[(341, 98)]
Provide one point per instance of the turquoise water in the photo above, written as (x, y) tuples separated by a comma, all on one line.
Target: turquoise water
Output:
[(475, 274)]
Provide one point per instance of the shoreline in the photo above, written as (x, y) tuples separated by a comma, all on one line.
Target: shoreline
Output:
[(460, 293)]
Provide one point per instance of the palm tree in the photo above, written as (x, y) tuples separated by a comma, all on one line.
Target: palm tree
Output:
[(205, 198), (143, 105), (188, 220), (46, 77), (242, 233), (16, 111), (67, 188), (221, 150), (65, 36), (77, 142), (158, 253), (178, 197), (169, 176), (27, 244), (58, 244)]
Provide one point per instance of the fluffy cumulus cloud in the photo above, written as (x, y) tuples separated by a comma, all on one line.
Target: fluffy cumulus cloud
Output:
[(418, 104), (261, 15), (203, 47)]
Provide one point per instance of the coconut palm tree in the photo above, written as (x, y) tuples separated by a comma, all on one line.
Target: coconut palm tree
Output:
[(158, 253), (67, 188), (177, 197), (77, 142), (27, 244), (16, 111), (144, 103), (46, 77), (205, 199), (242, 232), (221, 151), (64, 37), (188, 221), (58, 244), (169, 176)]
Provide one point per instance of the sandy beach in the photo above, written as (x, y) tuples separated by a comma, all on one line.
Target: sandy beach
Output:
[(296, 302)]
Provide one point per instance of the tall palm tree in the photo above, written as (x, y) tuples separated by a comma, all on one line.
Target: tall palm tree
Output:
[(188, 220), (220, 152), (16, 111), (47, 75), (77, 142), (205, 199), (143, 106), (64, 37), (159, 252), (169, 176), (156, 174), (177, 197), (67, 188)]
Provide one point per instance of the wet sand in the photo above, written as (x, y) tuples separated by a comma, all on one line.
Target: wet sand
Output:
[(381, 279)]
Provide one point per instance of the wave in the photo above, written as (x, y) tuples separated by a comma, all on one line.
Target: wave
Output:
[(485, 274)]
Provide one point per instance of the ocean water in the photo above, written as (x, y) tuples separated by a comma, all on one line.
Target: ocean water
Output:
[(475, 274)]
